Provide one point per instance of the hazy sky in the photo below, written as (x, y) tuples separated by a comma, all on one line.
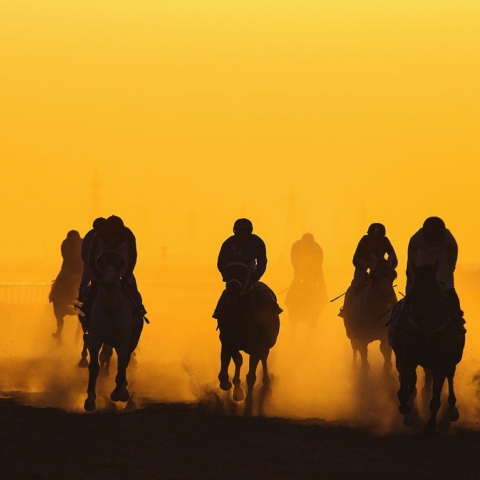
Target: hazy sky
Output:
[(181, 116)]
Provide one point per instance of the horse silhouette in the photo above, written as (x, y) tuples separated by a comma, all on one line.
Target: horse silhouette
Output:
[(369, 312), (425, 331), (249, 322), (62, 295), (305, 301), (115, 322)]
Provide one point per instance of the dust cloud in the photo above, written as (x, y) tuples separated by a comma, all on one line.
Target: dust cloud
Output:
[(177, 359)]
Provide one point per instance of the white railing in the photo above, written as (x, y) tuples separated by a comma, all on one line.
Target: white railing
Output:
[(24, 293)]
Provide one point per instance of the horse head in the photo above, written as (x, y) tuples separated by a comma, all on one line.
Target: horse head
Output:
[(237, 278), (110, 264), (429, 311), (425, 279), (381, 278)]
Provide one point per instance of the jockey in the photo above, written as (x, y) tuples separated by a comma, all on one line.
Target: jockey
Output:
[(306, 256), (434, 245), (87, 275), (71, 253), (246, 247), (113, 235), (371, 249)]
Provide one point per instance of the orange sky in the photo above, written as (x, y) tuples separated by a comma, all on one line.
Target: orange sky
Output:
[(181, 116)]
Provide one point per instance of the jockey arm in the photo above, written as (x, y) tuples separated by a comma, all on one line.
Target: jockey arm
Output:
[(361, 255), (132, 256), (261, 260), (390, 251), (412, 253), (222, 261), (451, 255), (91, 259)]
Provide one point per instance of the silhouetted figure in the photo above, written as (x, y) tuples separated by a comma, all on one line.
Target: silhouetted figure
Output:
[(114, 236), (307, 259), (87, 273), (71, 253), (371, 249), (65, 286), (435, 245), (244, 247), (306, 298), (426, 330)]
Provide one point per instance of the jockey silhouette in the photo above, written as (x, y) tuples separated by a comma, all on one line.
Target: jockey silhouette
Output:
[(306, 256), (113, 235), (434, 244), (246, 247), (371, 249)]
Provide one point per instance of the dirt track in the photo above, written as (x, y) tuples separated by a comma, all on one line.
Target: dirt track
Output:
[(179, 431), (173, 441)]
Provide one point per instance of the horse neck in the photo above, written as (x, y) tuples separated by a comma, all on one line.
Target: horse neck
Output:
[(385, 289), (425, 297), (110, 297)]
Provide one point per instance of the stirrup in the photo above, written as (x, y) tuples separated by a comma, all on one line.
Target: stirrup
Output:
[(77, 306)]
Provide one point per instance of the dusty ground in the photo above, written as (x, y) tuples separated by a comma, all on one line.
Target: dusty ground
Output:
[(318, 424), (187, 441)]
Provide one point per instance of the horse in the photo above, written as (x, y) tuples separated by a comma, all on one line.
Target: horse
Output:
[(369, 311), (249, 322), (305, 300), (114, 321), (62, 295), (425, 331)]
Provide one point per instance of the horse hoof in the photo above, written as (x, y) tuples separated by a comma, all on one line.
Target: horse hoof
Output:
[(89, 405), (120, 397), (453, 414), (238, 394), (408, 420), (226, 385), (83, 363)]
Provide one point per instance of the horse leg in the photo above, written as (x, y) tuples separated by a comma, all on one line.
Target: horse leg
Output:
[(386, 351), (363, 351), (105, 357), (252, 375), (238, 394), (225, 357), (93, 369), (406, 393), (120, 392), (438, 381), (354, 355), (453, 414), (83, 362), (266, 389), (60, 322)]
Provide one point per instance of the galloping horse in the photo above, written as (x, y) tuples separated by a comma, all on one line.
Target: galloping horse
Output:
[(250, 323), (114, 321), (305, 301), (370, 310), (62, 295), (425, 332)]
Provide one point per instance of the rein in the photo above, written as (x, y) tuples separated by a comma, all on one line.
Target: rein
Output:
[(113, 294)]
